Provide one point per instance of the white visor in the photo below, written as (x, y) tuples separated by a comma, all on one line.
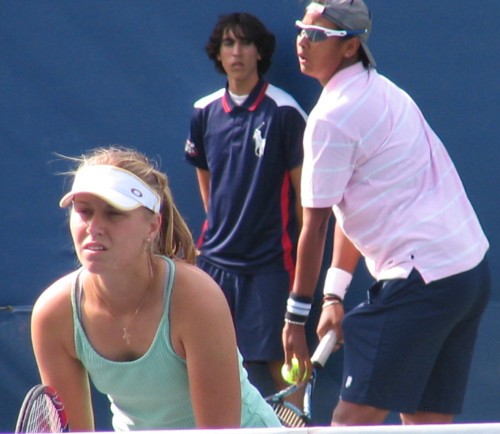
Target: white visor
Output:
[(118, 187)]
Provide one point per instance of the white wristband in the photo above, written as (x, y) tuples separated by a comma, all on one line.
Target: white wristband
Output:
[(337, 281), (298, 308)]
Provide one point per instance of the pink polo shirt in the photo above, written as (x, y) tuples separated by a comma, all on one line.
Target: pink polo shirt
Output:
[(370, 154)]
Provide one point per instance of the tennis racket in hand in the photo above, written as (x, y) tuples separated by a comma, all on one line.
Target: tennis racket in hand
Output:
[(288, 414), (42, 411)]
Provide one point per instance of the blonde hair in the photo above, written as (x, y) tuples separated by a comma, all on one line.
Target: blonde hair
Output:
[(174, 239)]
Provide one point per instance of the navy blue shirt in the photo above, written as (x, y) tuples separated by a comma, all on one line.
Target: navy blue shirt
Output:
[(249, 151)]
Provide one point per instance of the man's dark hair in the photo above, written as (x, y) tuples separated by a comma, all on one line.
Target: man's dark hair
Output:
[(246, 27)]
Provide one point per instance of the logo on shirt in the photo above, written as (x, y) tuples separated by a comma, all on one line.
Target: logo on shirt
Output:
[(348, 382), (260, 142), (190, 148)]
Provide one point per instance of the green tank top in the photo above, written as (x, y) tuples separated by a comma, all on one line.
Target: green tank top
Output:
[(152, 392)]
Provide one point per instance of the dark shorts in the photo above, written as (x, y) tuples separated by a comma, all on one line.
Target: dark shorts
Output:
[(257, 303), (409, 347)]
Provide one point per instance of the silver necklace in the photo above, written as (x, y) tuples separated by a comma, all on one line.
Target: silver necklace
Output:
[(126, 334)]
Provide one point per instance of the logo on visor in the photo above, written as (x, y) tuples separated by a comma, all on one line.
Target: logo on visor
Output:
[(136, 192)]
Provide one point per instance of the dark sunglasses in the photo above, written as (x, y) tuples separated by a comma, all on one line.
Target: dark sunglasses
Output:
[(317, 33)]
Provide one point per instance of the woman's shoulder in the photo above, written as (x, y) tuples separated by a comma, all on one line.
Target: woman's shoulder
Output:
[(191, 282), (189, 272), (199, 311), (52, 321), (56, 299)]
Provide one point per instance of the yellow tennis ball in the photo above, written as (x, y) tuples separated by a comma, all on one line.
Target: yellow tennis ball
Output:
[(291, 374)]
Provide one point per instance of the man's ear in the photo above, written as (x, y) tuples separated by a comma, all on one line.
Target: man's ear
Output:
[(351, 47)]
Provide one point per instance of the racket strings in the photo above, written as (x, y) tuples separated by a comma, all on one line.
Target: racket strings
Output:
[(43, 417), (288, 417)]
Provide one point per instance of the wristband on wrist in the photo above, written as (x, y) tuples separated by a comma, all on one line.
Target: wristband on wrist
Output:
[(336, 283), (297, 309)]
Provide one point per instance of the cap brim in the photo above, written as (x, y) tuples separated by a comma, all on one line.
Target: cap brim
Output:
[(118, 187), (113, 198)]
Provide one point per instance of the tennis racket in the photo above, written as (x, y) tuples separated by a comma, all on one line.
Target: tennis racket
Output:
[(288, 414), (42, 411)]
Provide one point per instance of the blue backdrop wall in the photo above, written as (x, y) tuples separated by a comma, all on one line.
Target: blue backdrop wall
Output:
[(77, 75)]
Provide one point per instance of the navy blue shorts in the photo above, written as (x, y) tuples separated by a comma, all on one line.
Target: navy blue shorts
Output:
[(258, 304), (409, 347)]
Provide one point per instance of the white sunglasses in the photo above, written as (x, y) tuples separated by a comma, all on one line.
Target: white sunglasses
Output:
[(317, 33)]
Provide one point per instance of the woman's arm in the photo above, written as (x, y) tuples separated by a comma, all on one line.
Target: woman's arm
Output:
[(203, 333), (53, 345)]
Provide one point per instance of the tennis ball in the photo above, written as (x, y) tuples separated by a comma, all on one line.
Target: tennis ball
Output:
[(291, 374)]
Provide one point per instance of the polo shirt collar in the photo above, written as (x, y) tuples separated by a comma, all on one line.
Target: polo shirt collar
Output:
[(343, 75), (251, 103)]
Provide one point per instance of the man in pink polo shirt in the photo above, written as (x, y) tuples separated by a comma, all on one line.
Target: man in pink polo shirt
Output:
[(398, 201)]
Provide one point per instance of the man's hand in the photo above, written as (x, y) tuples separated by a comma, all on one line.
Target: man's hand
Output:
[(295, 345), (331, 318)]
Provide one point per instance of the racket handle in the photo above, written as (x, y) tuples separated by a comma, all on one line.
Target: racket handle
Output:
[(324, 349)]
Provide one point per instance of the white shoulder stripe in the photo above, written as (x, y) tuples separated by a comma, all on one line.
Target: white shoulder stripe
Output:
[(284, 99), (206, 100)]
